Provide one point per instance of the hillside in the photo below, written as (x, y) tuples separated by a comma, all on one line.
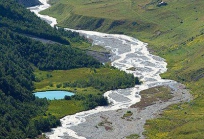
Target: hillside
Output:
[(174, 31)]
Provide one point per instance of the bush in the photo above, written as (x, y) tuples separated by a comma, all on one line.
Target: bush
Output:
[(67, 97), (59, 85)]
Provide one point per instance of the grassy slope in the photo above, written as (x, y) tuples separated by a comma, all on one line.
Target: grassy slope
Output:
[(175, 32), (140, 16)]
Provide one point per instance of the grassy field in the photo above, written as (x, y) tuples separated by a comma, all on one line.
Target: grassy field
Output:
[(61, 108), (174, 32), (53, 80), (48, 80), (75, 81)]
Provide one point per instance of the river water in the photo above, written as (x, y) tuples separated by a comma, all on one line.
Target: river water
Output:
[(127, 52)]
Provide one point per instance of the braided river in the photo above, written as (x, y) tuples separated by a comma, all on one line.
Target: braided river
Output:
[(126, 53)]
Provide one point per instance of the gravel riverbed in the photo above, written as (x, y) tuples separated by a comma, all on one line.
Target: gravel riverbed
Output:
[(114, 126)]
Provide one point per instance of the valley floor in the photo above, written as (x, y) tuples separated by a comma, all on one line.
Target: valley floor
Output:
[(179, 52), (106, 125)]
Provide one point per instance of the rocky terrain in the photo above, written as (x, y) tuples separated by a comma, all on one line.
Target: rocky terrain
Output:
[(124, 122)]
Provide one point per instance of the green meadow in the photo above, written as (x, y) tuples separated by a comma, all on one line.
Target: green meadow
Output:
[(174, 32), (88, 84), (61, 108), (53, 80), (76, 79), (48, 80)]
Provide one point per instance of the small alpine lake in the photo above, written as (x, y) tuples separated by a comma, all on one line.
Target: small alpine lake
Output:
[(51, 95)]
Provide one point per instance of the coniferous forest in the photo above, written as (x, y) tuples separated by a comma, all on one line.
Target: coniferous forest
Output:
[(18, 104)]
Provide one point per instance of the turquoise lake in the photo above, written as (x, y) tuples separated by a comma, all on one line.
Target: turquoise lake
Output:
[(51, 95)]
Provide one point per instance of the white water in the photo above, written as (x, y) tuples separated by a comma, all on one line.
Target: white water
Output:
[(127, 52), (36, 9)]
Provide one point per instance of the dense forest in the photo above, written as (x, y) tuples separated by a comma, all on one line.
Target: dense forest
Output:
[(18, 104), (21, 20), (47, 56), (22, 115)]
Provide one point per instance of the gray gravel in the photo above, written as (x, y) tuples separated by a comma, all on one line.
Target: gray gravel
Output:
[(120, 128)]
